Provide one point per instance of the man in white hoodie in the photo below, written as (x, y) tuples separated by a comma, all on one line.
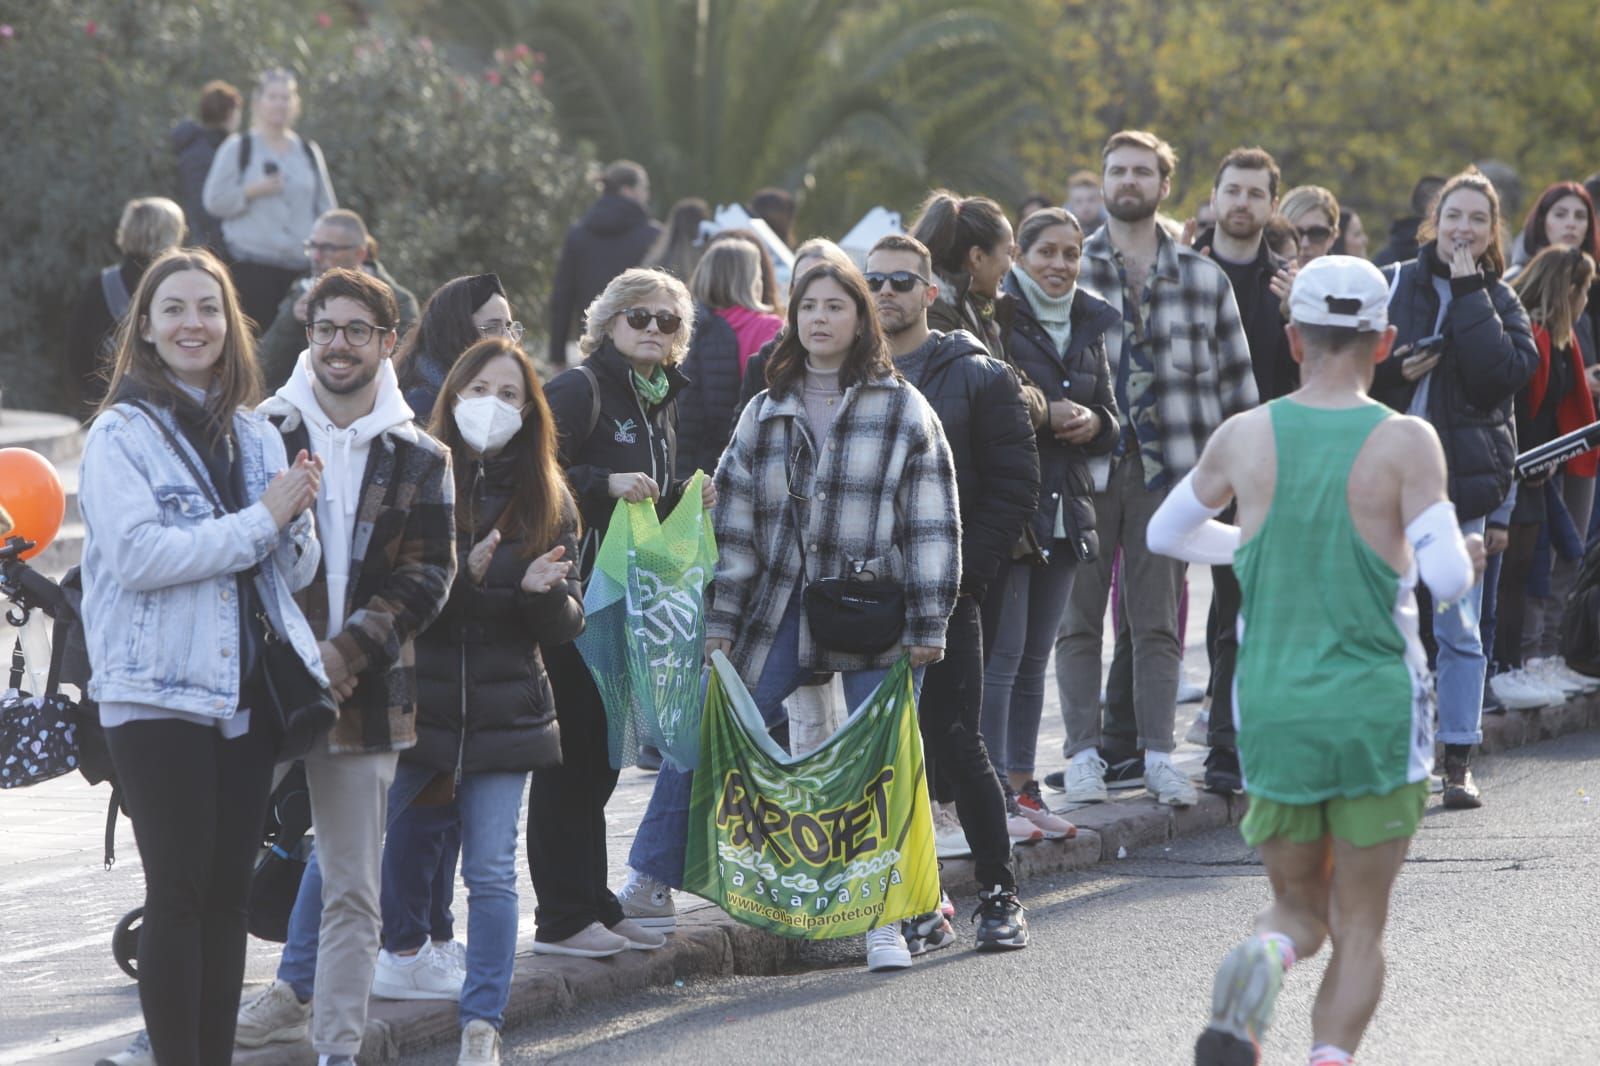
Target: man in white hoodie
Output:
[(386, 517)]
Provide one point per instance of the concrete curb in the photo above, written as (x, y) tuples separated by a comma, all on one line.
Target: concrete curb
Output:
[(710, 944)]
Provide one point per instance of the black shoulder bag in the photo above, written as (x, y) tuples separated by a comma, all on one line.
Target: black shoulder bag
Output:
[(859, 613), (303, 708)]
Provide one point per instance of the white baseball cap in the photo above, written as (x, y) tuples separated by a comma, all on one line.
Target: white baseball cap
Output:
[(1340, 290)]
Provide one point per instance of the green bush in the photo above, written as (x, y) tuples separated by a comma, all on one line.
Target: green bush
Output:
[(454, 172)]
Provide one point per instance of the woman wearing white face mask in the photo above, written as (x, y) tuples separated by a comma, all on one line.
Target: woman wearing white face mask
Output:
[(485, 712)]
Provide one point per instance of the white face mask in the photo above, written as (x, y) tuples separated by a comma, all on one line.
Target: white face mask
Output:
[(487, 422)]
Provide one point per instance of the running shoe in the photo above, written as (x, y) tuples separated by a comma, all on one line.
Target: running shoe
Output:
[(1001, 924), (1170, 785), (927, 932), (949, 839), (1223, 775), (886, 949), (1031, 803), (1086, 780), (138, 1053), (1521, 691), (1242, 997), (1126, 773), (1056, 780)]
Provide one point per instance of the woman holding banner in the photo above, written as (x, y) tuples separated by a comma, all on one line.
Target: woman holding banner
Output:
[(614, 414)]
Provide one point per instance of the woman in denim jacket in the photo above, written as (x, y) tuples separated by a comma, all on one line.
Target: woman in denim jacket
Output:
[(177, 598)]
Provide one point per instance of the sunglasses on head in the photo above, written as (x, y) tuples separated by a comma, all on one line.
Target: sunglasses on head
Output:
[(639, 318), (899, 281), (1316, 234)]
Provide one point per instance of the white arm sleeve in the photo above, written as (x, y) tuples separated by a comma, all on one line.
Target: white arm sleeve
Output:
[(1442, 558), (1185, 528)]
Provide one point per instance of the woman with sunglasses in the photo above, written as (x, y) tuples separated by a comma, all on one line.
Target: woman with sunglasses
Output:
[(460, 313), (1314, 213), (614, 414)]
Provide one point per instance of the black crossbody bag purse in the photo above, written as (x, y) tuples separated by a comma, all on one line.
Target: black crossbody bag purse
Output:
[(303, 709), (859, 613)]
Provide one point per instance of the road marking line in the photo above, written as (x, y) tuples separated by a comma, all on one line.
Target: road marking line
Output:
[(80, 1038)]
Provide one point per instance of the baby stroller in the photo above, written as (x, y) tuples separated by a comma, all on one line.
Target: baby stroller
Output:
[(78, 742)]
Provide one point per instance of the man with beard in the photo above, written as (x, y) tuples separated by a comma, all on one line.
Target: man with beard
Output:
[(1181, 365), (979, 401), (386, 520)]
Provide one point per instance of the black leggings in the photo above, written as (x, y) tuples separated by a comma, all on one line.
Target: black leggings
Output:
[(261, 290), (198, 804)]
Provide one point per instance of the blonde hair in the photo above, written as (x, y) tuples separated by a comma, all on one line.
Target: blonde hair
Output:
[(150, 225), (630, 289), (729, 275), (1302, 198)]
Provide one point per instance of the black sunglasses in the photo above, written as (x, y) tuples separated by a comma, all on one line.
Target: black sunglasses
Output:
[(899, 281), (1317, 234), (639, 318)]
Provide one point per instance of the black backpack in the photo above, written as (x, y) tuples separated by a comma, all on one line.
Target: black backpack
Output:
[(1580, 621)]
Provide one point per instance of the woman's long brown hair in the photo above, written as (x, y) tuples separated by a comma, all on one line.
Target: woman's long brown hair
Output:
[(868, 358), (540, 499), (1549, 286), (136, 360)]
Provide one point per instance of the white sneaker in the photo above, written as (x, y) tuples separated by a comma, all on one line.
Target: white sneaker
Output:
[(1551, 674), (1086, 780), (138, 1053), (886, 949), (1200, 728), (456, 950), (649, 903), (273, 1016), (949, 839), (480, 1045), (1589, 684), (1188, 691), (429, 974), (1169, 785), (1520, 691)]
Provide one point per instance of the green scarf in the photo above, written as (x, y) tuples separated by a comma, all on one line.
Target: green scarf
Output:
[(1054, 314), (653, 389)]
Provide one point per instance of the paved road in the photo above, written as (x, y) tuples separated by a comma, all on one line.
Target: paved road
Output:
[(1492, 961)]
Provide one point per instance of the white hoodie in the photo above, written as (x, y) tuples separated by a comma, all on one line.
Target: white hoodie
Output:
[(344, 458)]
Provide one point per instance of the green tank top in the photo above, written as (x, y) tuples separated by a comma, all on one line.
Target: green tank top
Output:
[(1330, 694)]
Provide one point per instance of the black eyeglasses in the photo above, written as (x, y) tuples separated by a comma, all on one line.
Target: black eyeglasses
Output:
[(323, 248), (899, 281), (1315, 234), (357, 333), (639, 318)]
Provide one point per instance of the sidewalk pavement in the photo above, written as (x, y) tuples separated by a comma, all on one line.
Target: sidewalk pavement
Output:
[(68, 1003)]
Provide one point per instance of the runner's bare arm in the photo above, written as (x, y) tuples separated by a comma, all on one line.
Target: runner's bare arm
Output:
[(1447, 562), (1184, 526)]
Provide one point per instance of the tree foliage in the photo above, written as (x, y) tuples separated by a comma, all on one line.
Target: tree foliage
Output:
[(454, 173)]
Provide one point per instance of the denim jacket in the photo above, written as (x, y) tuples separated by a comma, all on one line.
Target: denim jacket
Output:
[(160, 602)]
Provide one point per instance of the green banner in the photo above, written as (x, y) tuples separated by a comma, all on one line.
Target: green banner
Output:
[(817, 846), (644, 639)]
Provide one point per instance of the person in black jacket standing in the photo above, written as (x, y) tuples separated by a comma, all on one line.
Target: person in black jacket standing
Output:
[(980, 404), (612, 236), (1057, 337), (486, 714), (1464, 384), (615, 414), (195, 145)]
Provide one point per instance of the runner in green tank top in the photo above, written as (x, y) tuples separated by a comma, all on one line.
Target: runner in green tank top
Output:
[(1341, 505)]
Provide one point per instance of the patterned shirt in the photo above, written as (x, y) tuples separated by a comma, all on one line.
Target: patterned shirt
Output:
[(1136, 379)]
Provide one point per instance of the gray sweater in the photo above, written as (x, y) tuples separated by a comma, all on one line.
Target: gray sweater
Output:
[(269, 229)]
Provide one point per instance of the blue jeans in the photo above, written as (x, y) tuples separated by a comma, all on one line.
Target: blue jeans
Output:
[(658, 847), (419, 876), (1033, 602), (1461, 664)]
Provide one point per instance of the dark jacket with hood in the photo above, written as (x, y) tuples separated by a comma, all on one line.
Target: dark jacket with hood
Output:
[(954, 310), (484, 703), (709, 406), (980, 405), (1402, 245), (612, 236), (1277, 374), (1083, 375), (624, 438), (92, 330), (194, 146), (1489, 354)]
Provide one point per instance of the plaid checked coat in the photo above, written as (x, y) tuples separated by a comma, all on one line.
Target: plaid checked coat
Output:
[(402, 563), (882, 491), (1197, 345)]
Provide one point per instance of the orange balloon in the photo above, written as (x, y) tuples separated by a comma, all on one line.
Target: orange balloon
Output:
[(30, 490)]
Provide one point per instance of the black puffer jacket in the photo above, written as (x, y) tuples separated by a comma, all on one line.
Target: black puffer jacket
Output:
[(612, 236), (755, 379), (1084, 376), (997, 463), (624, 439), (1489, 354), (483, 700), (708, 406)]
